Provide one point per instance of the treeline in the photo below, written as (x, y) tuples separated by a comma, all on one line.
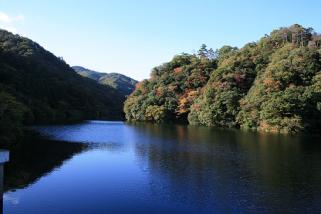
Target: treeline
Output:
[(270, 85), (38, 87)]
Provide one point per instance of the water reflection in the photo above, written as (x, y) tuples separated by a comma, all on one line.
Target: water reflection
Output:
[(144, 168), (233, 171), (34, 158), (96, 132)]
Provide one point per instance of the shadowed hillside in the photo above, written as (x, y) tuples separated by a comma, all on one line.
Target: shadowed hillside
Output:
[(38, 87)]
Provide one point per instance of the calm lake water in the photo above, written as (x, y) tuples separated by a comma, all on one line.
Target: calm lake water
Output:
[(114, 167)]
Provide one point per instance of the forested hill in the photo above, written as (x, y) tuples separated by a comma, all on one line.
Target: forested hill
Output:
[(38, 87), (273, 85), (124, 84)]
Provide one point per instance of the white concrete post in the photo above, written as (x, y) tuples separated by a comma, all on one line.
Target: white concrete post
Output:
[(4, 157)]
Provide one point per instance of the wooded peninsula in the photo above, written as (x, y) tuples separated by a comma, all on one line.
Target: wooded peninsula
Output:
[(271, 85)]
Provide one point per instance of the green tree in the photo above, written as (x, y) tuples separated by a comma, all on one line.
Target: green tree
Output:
[(12, 115)]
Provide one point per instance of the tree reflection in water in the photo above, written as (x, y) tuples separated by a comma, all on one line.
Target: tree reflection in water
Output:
[(34, 158), (234, 170)]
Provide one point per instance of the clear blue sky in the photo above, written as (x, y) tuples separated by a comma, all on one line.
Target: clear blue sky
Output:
[(133, 36)]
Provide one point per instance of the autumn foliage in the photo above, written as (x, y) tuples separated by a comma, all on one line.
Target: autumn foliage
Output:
[(172, 88), (272, 85)]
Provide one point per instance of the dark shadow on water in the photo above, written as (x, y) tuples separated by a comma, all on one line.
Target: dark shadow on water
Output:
[(36, 157)]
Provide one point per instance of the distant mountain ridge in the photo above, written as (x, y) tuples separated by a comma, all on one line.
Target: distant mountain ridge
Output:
[(124, 84)]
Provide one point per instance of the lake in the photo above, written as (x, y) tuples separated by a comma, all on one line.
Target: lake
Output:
[(114, 167)]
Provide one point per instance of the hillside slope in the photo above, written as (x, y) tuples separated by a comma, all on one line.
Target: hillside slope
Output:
[(38, 87), (125, 85), (271, 85)]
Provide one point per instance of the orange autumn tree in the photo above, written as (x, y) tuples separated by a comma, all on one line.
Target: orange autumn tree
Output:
[(172, 88)]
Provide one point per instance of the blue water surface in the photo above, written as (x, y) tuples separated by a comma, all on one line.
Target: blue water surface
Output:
[(115, 167)]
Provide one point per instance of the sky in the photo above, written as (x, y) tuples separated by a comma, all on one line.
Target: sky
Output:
[(133, 36)]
